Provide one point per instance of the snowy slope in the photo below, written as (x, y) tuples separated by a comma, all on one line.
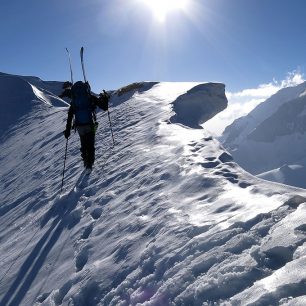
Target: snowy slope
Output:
[(22, 95), (166, 217), (272, 136), (293, 175)]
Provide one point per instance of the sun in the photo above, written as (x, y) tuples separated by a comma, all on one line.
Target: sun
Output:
[(161, 8)]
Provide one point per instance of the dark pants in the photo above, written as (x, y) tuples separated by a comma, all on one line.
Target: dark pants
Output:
[(87, 138)]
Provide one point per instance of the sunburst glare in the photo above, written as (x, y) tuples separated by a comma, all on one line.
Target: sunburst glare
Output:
[(161, 8)]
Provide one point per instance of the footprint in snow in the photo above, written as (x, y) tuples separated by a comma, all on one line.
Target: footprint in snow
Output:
[(88, 230), (230, 175), (208, 138), (196, 148), (244, 184), (96, 213), (225, 157), (74, 217), (222, 209), (193, 143), (232, 180), (210, 165), (81, 259)]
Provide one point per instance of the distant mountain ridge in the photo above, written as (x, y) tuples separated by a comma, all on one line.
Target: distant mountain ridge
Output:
[(245, 125), (272, 135)]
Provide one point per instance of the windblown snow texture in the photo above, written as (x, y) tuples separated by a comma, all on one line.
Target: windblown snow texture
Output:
[(165, 218)]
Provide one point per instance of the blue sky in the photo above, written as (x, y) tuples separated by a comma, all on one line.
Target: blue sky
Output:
[(242, 43)]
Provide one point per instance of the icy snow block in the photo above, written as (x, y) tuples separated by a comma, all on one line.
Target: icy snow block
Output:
[(199, 104)]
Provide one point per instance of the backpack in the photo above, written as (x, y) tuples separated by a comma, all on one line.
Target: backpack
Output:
[(84, 109)]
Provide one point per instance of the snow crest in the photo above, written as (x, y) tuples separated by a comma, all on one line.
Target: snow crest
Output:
[(165, 218), (199, 104)]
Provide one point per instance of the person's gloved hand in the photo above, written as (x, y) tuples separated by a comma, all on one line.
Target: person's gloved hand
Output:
[(67, 133), (67, 84), (104, 98), (106, 94)]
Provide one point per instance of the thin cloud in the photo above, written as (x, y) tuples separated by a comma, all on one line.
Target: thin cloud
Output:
[(266, 90), (241, 103)]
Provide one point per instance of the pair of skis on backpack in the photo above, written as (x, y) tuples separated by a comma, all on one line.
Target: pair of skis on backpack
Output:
[(104, 95), (82, 62)]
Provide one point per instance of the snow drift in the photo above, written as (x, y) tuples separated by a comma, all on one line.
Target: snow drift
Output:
[(199, 104), (166, 217)]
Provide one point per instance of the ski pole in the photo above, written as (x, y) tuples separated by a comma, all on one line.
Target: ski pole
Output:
[(110, 124), (64, 165), (82, 62), (70, 66)]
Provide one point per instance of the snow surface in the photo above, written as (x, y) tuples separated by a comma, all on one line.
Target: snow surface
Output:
[(165, 218)]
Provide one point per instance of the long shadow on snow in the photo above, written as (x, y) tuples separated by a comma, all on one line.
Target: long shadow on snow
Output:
[(63, 219)]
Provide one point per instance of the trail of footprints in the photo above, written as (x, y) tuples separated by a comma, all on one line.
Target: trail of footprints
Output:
[(83, 209), (82, 245), (217, 163)]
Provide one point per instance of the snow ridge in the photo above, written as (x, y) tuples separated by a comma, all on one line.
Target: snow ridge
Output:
[(166, 217), (19, 97)]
